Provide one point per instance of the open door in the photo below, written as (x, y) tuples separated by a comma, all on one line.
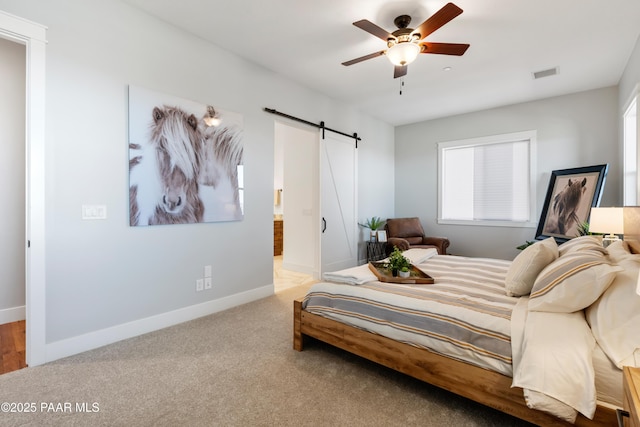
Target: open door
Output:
[(338, 188)]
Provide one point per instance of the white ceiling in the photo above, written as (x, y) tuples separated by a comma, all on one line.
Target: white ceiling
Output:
[(589, 41)]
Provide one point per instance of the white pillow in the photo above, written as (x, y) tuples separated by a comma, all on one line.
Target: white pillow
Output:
[(572, 282), (581, 244), (615, 317), (618, 251), (419, 255), (527, 265)]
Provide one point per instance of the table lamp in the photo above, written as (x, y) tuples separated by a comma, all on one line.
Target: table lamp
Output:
[(607, 220)]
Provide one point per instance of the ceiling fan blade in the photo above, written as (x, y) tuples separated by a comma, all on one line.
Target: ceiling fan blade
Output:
[(399, 71), (372, 28), (457, 49), (438, 19), (364, 58)]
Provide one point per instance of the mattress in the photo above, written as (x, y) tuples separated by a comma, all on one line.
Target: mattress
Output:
[(465, 314)]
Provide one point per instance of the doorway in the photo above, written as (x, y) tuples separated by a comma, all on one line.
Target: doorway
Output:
[(295, 205), (315, 195), (12, 192), (33, 37)]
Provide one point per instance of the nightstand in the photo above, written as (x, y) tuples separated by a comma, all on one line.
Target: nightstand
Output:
[(631, 397), (376, 251)]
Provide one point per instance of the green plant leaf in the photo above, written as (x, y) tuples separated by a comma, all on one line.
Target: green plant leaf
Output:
[(525, 245), (372, 223)]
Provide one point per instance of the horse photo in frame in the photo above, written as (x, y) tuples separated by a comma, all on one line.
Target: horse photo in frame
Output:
[(570, 196), (185, 161)]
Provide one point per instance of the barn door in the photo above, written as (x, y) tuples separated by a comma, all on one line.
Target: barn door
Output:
[(338, 202)]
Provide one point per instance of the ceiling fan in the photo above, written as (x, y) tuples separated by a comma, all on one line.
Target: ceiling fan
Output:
[(405, 44)]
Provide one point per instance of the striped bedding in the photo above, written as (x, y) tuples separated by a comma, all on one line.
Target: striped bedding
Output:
[(465, 314)]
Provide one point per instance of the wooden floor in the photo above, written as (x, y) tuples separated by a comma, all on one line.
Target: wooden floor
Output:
[(12, 346)]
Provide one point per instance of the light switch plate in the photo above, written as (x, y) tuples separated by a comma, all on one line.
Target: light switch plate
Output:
[(94, 212)]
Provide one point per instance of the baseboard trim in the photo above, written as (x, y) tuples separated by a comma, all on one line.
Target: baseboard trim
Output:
[(93, 340), (12, 314), (299, 268)]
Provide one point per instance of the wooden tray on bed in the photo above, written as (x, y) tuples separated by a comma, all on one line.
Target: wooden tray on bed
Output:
[(416, 277)]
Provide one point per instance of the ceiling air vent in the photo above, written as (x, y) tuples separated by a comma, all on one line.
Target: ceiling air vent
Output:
[(545, 73)]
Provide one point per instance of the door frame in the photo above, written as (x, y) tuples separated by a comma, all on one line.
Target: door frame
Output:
[(33, 36)]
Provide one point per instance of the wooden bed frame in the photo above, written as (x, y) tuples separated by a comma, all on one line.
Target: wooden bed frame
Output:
[(478, 384)]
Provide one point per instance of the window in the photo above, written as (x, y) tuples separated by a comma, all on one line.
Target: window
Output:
[(630, 143), (488, 181)]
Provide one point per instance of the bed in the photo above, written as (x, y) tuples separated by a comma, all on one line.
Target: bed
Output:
[(491, 324)]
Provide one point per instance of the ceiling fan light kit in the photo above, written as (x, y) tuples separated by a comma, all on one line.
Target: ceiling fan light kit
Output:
[(403, 53), (404, 44)]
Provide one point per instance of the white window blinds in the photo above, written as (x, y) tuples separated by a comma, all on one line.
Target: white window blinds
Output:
[(487, 180)]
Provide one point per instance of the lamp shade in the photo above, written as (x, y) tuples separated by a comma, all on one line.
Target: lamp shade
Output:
[(607, 220), (403, 53)]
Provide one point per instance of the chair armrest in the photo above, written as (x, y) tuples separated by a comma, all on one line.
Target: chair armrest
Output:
[(442, 243), (401, 243)]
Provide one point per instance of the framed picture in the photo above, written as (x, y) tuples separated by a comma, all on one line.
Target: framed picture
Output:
[(570, 196), (382, 236), (185, 161)]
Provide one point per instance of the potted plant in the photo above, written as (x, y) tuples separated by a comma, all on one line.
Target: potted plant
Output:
[(372, 224), (398, 262), (525, 245), (404, 272)]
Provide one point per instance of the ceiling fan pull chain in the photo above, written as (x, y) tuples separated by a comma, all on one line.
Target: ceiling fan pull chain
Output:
[(401, 84)]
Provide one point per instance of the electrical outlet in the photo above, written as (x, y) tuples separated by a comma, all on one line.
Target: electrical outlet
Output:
[(207, 271), (207, 283), (199, 285)]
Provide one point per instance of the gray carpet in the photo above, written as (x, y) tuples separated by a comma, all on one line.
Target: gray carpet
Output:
[(235, 368)]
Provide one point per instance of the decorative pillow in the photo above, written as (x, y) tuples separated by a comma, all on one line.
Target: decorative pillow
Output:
[(619, 251), (582, 244), (527, 265), (615, 316), (572, 282)]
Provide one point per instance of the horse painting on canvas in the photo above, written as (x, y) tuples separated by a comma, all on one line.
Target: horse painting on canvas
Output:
[(222, 160), (184, 169), (562, 215)]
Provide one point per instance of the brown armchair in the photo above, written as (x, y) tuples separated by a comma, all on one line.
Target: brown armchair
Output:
[(406, 233)]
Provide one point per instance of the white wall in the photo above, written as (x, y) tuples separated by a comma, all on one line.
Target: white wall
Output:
[(572, 131), (376, 181), (300, 197), (629, 87), (105, 280), (12, 181), (630, 77), (278, 171)]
